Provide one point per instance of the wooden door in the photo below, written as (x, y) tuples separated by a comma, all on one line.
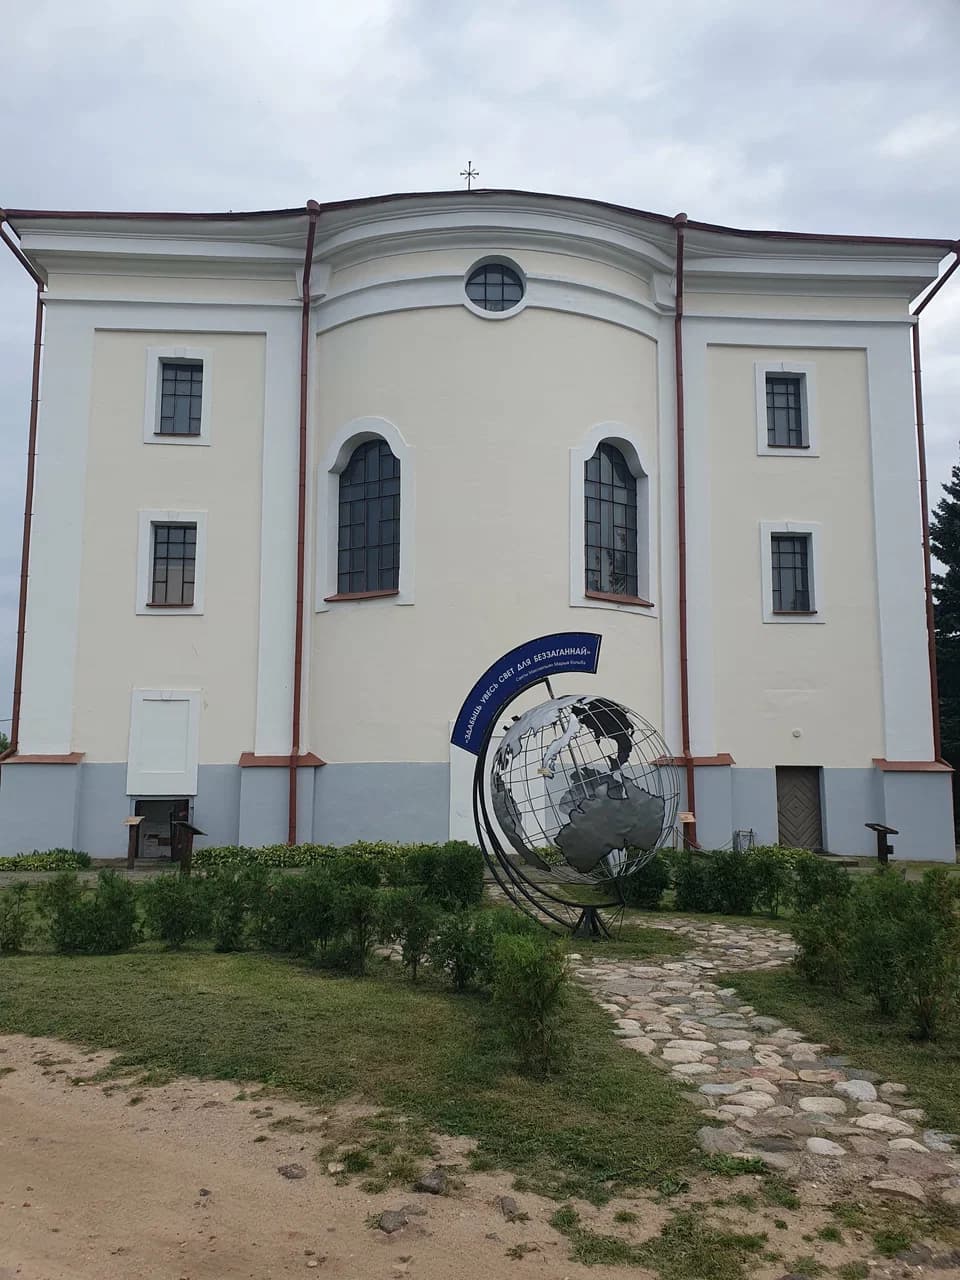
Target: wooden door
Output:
[(798, 807)]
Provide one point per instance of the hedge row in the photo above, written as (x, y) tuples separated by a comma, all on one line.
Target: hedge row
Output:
[(769, 879), (897, 941), (307, 855), (48, 860)]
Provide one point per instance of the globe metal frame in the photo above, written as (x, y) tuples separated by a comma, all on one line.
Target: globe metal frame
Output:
[(582, 919)]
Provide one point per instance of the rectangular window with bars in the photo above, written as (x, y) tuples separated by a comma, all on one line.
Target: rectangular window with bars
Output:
[(790, 565), (174, 565), (786, 425), (181, 398)]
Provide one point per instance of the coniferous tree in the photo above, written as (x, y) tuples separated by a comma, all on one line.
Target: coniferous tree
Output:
[(945, 544)]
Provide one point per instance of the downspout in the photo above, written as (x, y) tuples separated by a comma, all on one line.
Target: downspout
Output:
[(690, 830), (924, 506), (28, 498), (313, 213)]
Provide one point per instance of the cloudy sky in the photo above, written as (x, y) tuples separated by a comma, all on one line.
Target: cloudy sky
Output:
[(820, 115)]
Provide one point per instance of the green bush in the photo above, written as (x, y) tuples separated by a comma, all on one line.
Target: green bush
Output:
[(463, 948), (297, 913), (530, 991), (879, 908), (928, 967), (775, 876), (500, 920), (49, 860), (645, 887), (358, 912), (176, 907), (15, 918), (822, 935), (410, 919), (732, 882), (818, 879), (97, 922), (234, 896), (693, 890)]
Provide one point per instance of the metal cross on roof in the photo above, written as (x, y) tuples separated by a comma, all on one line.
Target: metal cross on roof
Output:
[(469, 173)]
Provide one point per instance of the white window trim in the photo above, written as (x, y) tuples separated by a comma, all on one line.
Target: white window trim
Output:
[(630, 446), (185, 784), (335, 458), (146, 521), (808, 408), (151, 403), (813, 531), (495, 259)]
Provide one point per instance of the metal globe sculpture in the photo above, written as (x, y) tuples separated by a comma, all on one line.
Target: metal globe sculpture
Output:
[(576, 795)]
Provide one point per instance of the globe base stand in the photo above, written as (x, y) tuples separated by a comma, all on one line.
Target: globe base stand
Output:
[(590, 924)]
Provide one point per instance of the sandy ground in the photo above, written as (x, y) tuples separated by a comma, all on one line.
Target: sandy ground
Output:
[(94, 1188)]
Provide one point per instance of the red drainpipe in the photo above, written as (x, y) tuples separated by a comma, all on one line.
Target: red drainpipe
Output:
[(690, 830), (28, 498), (313, 212), (924, 506)]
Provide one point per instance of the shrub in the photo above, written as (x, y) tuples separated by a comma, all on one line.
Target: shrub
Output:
[(410, 919), (234, 892), (463, 948), (817, 879), (530, 991), (500, 920), (645, 887), (346, 868), (100, 922), (49, 860), (879, 908), (459, 876), (693, 890), (823, 938), (297, 913), (175, 908), (15, 921), (929, 961), (774, 873), (358, 910)]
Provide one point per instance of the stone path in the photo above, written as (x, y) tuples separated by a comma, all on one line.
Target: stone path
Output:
[(766, 1091)]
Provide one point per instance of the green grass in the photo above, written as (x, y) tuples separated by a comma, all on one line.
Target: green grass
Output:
[(633, 941), (932, 1071), (609, 1122)]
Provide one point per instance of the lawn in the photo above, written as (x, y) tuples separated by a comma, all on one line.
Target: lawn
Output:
[(931, 1070), (610, 1121)]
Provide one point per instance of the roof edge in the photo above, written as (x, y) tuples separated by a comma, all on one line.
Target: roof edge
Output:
[(947, 245)]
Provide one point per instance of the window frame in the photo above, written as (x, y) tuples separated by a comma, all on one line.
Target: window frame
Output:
[(794, 529), (622, 438), (806, 372), (383, 451), (495, 260), (156, 357), (338, 453), (147, 519)]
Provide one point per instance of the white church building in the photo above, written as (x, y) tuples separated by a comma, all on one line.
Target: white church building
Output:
[(302, 475)]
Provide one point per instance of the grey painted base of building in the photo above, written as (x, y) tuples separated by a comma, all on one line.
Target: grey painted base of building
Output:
[(83, 806)]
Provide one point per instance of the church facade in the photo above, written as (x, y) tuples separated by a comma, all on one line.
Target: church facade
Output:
[(303, 475)]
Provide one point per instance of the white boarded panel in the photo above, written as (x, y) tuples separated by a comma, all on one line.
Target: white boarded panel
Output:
[(164, 741)]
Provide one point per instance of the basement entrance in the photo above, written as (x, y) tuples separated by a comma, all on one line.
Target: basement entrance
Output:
[(156, 829), (798, 807)]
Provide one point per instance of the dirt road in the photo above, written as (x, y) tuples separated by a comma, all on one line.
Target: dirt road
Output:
[(172, 1183)]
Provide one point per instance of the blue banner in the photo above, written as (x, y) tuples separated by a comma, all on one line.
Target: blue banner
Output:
[(567, 651)]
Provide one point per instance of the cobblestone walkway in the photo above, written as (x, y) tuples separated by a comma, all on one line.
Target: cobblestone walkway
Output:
[(766, 1091)]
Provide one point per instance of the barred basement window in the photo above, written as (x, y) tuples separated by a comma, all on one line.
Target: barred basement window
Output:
[(786, 427), (368, 549), (610, 523), (790, 565), (181, 397), (174, 564)]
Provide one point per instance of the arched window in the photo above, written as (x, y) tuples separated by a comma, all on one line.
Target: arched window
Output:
[(610, 523), (368, 545)]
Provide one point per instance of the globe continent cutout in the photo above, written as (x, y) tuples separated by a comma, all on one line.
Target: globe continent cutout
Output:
[(584, 788)]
